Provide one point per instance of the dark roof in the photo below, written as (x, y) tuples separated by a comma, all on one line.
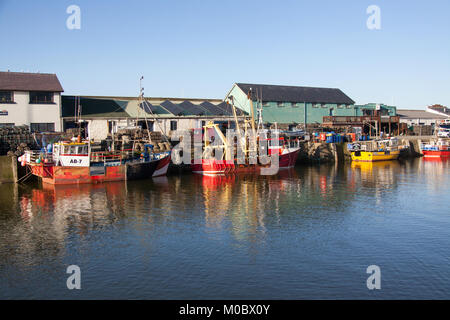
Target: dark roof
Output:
[(172, 108), (191, 109), (21, 81), (151, 108), (213, 109), (296, 94), (228, 110), (102, 108)]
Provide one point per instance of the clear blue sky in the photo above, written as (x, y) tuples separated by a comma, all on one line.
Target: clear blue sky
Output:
[(199, 48)]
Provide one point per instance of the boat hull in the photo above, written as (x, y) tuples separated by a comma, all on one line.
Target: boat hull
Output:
[(60, 175), (371, 156), (436, 153), (213, 166)]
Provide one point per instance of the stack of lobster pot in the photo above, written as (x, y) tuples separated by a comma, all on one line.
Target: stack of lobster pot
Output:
[(14, 141)]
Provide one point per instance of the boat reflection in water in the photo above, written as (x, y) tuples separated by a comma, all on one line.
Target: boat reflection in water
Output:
[(380, 173), (66, 205), (243, 200), (434, 170)]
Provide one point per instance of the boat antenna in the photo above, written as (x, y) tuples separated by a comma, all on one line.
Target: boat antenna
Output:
[(259, 110), (142, 99)]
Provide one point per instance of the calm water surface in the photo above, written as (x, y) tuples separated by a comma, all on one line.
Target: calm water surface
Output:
[(307, 233)]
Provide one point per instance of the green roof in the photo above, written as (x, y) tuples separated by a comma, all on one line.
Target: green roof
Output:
[(102, 108)]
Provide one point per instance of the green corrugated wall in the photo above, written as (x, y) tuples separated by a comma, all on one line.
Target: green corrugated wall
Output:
[(289, 113)]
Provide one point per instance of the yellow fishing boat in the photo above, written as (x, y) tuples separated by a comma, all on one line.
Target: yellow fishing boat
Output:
[(381, 150), (369, 156)]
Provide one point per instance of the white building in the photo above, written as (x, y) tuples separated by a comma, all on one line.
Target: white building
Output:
[(101, 116), (32, 99), (420, 117)]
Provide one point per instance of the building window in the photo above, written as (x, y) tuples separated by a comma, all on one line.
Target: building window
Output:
[(42, 127), (266, 104), (173, 125), (150, 125), (348, 106), (324, 105), (296, 104), (280, 104), (340, 106), (316, 105), (41, 97), (6, 97)]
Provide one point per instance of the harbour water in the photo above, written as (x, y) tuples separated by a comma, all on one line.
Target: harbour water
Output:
[(308, 233)]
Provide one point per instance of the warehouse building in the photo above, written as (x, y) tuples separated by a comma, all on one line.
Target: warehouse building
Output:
[(292, 105), (420, 117), (32, 99), (100, 117)]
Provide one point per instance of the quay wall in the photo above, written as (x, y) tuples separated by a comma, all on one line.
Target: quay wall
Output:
[(8, 169)]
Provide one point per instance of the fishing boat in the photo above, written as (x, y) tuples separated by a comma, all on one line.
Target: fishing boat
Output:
[(220, 154), (73, 161), (433, 149), (385, 150)]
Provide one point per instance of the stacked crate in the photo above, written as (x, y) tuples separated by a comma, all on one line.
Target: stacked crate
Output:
[(124, 139), (422, 130)]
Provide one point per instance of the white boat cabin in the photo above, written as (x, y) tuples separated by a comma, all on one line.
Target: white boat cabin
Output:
[(71, 154)]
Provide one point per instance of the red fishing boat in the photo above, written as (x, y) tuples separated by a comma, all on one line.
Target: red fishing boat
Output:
[(439, 149), (219, 151), (287, 159), (72, 162)]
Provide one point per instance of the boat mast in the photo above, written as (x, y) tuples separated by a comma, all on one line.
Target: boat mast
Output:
[(234, 115), (238, 129), (140, 102), (252, 123), (249, 96)]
